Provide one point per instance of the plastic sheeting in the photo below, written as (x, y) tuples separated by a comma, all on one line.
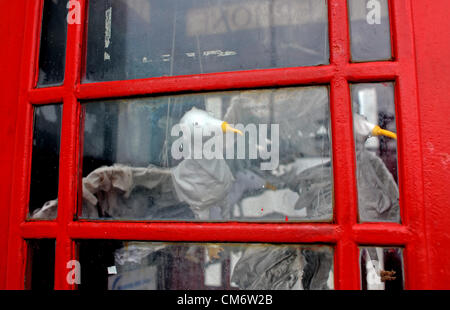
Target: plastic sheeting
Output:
[(123, 191), (266, 268), (283, 267), (250, 266), (378, 195)]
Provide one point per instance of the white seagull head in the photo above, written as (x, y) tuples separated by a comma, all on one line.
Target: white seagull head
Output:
[(364, 128), (196, 118)]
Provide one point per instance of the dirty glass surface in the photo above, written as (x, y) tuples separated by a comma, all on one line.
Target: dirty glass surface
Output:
[(45, 160), (40, 264), (370, 38), (52, 51), (376, 155), (121, 265), (278, 169), (381, 268), (150, 38)]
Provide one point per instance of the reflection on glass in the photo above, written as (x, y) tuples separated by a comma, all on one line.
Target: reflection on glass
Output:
[(149, 38), (274, 166), (369, 30), (53, 43), (376, 151), (45, 161), (41, 264), (381, 268), (117, 265)]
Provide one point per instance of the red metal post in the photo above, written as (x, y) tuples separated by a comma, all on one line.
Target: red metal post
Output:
[(13, 23), (431, 30), (22, 152)]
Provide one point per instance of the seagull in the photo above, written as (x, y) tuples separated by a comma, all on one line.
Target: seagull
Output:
[(364, 128), (203, 183)]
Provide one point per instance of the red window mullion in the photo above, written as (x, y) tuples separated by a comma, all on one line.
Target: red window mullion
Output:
[(73, 54), (68, 171), (371, 71), (381, 234), (211, 232), (345, 196), (346, 267), (46, 95), (339, 36), (208, 82), (366, 233), (379, 71), (67, 191), (39, 229)]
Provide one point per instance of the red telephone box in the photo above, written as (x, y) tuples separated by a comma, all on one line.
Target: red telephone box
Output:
[(103, 86)]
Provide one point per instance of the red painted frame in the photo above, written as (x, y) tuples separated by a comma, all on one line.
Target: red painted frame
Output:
[(345, 233)]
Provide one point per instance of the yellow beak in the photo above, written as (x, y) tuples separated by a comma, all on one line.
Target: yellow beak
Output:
[(227, 128), (378, 131), (270, 186)]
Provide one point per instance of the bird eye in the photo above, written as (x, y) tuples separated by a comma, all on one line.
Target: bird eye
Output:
[(196, 123), (181, 148)]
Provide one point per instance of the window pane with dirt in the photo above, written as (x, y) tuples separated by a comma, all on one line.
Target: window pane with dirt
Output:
[(254, 155), (45, 161), (150, 38), (40, 268), (119, 265), (381, 268), (52, 53), (370, 35), (374, 125)]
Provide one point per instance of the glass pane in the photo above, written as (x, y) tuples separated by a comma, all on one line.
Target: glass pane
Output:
[(138, 165), (53, 43), (369, 30), (118, 265), (45, 161), (41, 264), (381, 268), (376, 151), (149, 38)]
